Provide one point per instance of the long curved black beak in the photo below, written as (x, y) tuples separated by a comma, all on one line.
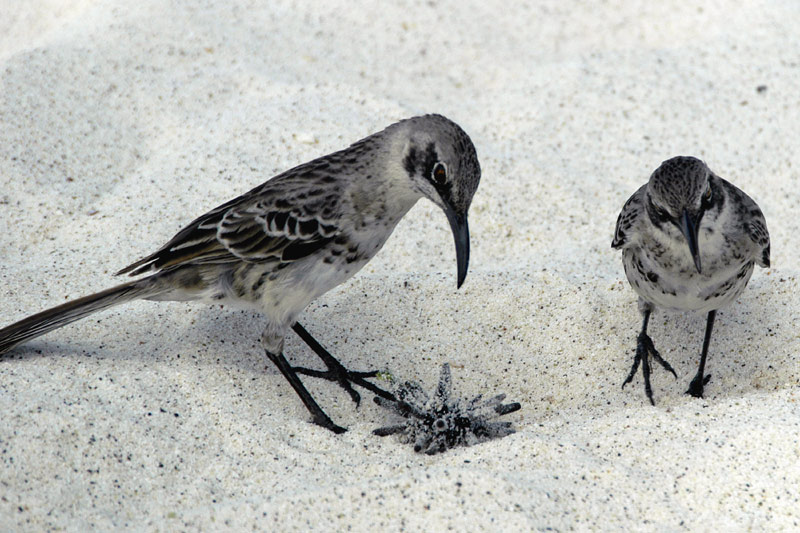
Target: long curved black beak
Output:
[(460, 228), (689, 229)]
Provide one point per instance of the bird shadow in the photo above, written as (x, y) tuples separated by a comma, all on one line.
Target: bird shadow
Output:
[(156, 337)]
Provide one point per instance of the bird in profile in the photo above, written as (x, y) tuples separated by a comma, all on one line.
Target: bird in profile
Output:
[(689, 242), (279, 246)]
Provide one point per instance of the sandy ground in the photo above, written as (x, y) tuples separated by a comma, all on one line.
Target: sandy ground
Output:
[(119, 124)]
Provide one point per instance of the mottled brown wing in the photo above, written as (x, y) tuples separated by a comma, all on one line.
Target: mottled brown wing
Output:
[(258, 226), (757, 230), (755, 226), (627, 218), (259, 232)]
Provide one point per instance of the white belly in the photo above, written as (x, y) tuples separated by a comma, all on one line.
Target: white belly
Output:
[(682, 287)]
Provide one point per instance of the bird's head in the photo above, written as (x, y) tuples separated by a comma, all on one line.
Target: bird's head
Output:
[(442, 165), (679, 192)]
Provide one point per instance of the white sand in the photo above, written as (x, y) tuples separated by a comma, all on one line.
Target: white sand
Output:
[(119, 124)]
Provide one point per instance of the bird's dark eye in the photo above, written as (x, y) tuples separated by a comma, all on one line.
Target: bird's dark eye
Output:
[(439, 174)]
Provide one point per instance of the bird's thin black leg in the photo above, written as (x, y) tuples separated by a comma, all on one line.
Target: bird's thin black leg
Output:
[(700, 379), (318, 415), (644, 349), (336, 371)]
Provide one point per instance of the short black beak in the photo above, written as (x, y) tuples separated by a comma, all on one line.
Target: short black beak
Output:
[(689, 229), (458, 223)]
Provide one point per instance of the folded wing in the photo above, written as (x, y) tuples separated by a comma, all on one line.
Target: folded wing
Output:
[(250, 228)]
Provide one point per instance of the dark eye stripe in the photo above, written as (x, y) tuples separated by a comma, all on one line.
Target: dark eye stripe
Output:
[(657, 215)]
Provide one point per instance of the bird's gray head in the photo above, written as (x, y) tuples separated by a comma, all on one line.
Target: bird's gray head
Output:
[(442, 165), (679, 192)]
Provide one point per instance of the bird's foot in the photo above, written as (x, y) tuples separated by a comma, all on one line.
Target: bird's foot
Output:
[(346, 379), (644, 349), (317, 414), (697, 384), (326, 422)]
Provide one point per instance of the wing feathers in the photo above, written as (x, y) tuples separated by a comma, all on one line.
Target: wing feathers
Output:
[(249, 234)]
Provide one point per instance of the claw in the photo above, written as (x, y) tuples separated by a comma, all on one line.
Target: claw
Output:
[(318, 415), (636, 359), (346, 379), (342, 377), (657, 357), (644, 349), (696, 386), (336, 371)]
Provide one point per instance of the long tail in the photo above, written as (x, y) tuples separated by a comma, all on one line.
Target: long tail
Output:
[(40, 323)]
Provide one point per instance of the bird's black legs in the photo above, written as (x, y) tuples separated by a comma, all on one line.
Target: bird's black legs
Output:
[(319, 416), (336, 371), (644, 349), (699, 381)]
